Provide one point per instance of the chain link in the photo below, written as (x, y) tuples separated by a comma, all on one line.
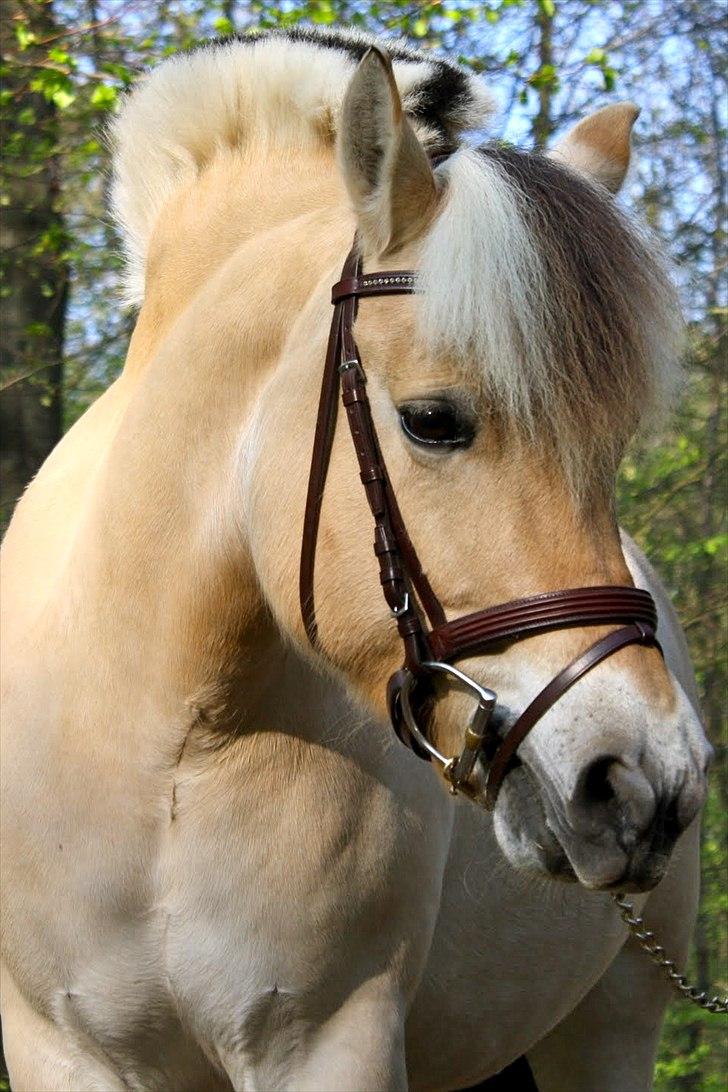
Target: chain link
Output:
[(646, 940)]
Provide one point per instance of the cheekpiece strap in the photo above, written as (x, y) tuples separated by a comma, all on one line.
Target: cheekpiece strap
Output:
[(404, 582)]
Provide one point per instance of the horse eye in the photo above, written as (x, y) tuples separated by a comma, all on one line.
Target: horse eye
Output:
[(436, 423)]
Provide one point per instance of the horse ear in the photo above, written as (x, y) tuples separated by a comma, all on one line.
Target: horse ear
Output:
[(385, 168), (599, 146)]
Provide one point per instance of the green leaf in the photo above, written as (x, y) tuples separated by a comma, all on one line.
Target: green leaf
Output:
[(323, 13), (24, 36), (53, 240), (62, 98), (545, 77), (609, 76), (60, 56), (104, 97), (223, 26), (56, 87), (715, 544), (420, 27), (121, 71), (548, 7), (595, 56), (37, 329)]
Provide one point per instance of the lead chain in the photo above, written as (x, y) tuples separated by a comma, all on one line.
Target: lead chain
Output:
[(646, 940)]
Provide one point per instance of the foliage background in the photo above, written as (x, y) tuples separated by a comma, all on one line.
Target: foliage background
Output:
[(66, 63)]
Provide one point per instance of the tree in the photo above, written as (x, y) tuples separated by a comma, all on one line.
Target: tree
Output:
[(34, 289)]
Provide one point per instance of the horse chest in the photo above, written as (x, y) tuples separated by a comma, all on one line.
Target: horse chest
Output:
[(271, 913), (508, 961)]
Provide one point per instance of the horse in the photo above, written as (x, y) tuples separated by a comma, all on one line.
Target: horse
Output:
[(221, 867)]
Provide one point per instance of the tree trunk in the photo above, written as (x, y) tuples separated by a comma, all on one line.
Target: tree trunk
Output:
[(228, 10), (543, 123), (35, 275)]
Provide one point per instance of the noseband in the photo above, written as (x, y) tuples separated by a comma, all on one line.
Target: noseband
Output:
[(432, 644)]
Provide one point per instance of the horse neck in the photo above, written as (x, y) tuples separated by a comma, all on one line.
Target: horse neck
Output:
[(274, 216), (229, 272)]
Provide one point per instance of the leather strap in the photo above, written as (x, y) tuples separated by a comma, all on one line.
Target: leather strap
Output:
[(398, 282), (401, 573), (320, 456), (607, 646), (475, 633)]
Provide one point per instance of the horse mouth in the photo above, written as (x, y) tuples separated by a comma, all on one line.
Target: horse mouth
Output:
[(642, 868), (640, 871), (546, 856), (555, 863)]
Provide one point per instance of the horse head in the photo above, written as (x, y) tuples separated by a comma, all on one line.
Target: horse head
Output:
[(504, 394)]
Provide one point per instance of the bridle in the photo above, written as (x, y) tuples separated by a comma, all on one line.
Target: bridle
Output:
[(429, 652), (432, 647)]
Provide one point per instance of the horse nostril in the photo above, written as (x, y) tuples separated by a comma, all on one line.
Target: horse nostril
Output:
[(596, 788), (614, 793)]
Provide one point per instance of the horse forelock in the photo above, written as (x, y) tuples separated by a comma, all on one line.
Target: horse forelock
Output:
[(565, 307)]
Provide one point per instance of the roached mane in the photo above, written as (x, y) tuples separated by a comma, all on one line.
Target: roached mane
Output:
[(531, 274), (262, 89)]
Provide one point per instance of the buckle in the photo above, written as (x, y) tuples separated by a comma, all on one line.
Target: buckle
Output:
[(458, 768)]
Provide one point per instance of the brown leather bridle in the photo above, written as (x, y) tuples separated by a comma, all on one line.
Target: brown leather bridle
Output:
[(431, 651)]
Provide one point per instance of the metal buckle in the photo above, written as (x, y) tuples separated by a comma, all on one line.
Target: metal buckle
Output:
[(457, 769), (401, 608)]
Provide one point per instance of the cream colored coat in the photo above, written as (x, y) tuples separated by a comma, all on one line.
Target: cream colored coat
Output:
[(220, 870)]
